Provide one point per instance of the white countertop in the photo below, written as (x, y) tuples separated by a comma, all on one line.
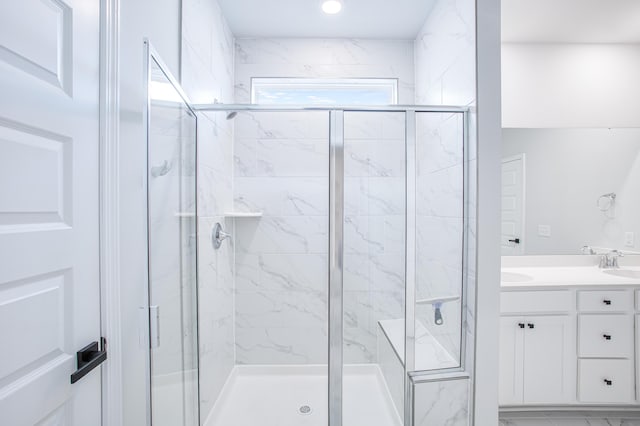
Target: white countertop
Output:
[(565, 276)]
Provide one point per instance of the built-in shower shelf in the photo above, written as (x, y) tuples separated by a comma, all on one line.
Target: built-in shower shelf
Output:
[(239, 215), (185, 214)]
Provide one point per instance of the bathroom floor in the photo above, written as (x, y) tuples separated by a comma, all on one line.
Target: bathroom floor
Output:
[(292, 395)]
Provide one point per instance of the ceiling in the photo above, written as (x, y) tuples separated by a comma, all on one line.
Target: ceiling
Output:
[(571, 21), (381, 19)]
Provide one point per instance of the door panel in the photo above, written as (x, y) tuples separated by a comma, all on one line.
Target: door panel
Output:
[(49, 279), (511, 358), (513, 205), (550, 360)]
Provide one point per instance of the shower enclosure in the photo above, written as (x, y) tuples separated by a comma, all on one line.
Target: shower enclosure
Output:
[(347, 252)]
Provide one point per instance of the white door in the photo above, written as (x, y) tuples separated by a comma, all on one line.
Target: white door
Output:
[(512, 239), (550, 361), (49, 289), (511, 360)]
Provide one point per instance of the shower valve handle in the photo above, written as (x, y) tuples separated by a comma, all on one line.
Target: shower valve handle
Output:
[(218, 236)]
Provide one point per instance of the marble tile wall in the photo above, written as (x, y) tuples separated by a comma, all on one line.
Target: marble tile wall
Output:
[(207, 74), (281, 258), (442, 402), (440, 223), (281, 170), (445, 52), (374, 228), (445, 66), (324, 58)]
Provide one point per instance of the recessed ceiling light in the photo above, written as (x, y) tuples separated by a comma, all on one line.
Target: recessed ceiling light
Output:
[(331, 7)]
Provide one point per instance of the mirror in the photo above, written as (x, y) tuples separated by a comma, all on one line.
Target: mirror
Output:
[(563, 189)]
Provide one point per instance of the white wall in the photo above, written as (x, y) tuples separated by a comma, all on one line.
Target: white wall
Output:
[(566, 171), (207, 74), (159, 21), (572, 85)]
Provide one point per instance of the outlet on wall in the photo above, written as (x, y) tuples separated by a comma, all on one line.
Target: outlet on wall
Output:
[(544, 230), (629, 239)]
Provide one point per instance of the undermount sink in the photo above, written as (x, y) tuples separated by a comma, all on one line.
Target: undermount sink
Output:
[(624, 273), (515, 277)]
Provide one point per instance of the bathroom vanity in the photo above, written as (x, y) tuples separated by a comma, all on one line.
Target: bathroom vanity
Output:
[(569, 334)]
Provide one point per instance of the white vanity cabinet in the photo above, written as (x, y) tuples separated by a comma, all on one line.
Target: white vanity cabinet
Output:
[(606, 348), (537, 348), (569, 346)]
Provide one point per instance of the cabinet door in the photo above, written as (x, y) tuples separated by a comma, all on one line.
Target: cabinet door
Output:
[(550, 360), (511, 360)]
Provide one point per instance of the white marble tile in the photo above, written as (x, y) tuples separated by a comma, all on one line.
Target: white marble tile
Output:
[(387, 305), (205, 35), (282, 272), (440, 193), (357, 309), (357, 272), (439, 142), (440, 238), (387, 232), (292, 157), (283, 234), (245, 157), (386, 196), (356, 200), (281, 309), (328, 58), (359, 346), (281, 345), (283, 196), (356, 235), (278, 125), (374, 157), (362, 125), (442, 403)]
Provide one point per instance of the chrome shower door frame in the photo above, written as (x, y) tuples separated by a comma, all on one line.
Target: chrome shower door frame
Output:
[(336, 239)]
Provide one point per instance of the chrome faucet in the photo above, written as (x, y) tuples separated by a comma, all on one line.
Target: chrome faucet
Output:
[(588, 250), (610, 260)]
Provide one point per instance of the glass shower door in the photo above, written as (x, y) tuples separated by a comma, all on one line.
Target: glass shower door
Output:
[(172, 253), (374, 268)]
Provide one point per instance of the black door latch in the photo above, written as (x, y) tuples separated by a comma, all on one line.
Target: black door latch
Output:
[(515, 240), (89, 358)]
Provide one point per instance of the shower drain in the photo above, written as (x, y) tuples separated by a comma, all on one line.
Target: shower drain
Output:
[(304, 409)]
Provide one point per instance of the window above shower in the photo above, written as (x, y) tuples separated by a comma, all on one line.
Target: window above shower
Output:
[(314, 91)]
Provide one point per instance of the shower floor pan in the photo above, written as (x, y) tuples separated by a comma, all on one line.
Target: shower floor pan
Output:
[(296, 395)]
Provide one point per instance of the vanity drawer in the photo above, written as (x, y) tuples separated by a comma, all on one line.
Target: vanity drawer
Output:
[(605, 301), (519, 302), (605, 336), (607, 381)]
